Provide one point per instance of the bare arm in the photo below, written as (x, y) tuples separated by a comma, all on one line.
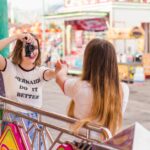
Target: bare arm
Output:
[(3, 44), (49, 74), (60, 73), (6, 41)]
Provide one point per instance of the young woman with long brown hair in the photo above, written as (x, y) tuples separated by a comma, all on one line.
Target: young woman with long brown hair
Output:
[(98, 96), (23, 74)]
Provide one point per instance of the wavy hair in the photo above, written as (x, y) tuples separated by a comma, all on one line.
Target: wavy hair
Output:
[(100, 69)]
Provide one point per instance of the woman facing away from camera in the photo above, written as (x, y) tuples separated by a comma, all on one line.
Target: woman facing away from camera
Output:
[(98, 96), (22, 74)]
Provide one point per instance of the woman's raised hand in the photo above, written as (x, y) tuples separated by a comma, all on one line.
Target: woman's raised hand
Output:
[(27, 37), (61, 65)]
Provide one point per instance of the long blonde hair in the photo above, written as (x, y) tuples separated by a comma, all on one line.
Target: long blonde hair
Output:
[(100, 69)]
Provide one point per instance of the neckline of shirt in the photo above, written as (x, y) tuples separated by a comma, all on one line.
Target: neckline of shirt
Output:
[(27, 70)]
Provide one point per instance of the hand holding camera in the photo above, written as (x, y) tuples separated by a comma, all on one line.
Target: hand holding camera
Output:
[(27, 39)]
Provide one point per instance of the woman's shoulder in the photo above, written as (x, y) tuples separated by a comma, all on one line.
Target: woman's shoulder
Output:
[(76, 85), (78, 82), (9, 62), (78, 89)]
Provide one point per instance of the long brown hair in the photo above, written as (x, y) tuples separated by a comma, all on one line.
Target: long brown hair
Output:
[(100, 69), (16, 54)]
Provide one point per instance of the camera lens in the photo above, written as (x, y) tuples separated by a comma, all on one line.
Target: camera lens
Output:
[(29, 48)]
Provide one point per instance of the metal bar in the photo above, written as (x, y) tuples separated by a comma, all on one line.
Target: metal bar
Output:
[(28, 130), (48, 114), (23, 124), (39, 140), (34, 136), (41, 134), (40, 111), (24, 139), (81, 136), (56, 140), (43, 139), (94, 128), (49, 135), (25, 129)]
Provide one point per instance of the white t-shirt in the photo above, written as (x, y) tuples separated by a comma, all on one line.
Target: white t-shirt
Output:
[(22, 85), (81, 92)]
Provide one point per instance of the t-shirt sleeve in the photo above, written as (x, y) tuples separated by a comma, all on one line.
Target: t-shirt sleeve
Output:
[(42, 71), (4, 66), (125, 89), (8, 66), (70, 87)]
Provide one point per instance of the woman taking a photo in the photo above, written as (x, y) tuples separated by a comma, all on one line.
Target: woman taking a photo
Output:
[(23, 74)]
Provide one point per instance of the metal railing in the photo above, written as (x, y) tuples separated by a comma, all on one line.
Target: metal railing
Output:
[(54, 128)]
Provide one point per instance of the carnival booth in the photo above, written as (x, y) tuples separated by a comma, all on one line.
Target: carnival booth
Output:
[(129, 45), (80, 32), (105, 20), (77, 30)]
